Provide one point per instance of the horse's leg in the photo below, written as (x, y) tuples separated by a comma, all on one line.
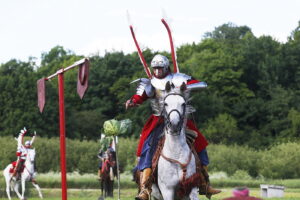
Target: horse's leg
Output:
[(16, 189), (194, 194), (166, 192), (112, 188), (23, 187), (156, 195), (37, 187), (106, 187), (7, 180)]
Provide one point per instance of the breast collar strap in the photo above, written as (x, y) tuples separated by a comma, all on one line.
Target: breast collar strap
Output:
[(182, 166)]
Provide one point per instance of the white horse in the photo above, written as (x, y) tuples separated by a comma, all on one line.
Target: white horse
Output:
[(27, 175), (177, 162)]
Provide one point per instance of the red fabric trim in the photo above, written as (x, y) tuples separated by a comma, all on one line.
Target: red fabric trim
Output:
[(137, 99), (200, 142), (192, 81), (18, 154), (148, 127)]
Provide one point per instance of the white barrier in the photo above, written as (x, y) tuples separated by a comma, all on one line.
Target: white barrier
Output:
[(269, 191)]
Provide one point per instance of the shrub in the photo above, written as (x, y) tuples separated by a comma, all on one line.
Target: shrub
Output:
[(281, 161), (241, 175), (232, 158)]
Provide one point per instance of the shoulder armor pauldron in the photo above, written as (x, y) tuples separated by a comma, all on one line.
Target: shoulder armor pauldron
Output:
[(144, 86)]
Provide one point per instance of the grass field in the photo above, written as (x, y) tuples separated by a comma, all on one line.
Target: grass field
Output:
[(126, 194)]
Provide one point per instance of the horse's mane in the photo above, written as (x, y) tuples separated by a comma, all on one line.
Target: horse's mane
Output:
[(158, 107)]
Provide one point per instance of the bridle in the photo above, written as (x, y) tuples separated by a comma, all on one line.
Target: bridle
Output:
[(181, 116)]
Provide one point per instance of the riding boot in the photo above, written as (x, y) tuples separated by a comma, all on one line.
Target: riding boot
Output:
[(205, 187), (146, 184)]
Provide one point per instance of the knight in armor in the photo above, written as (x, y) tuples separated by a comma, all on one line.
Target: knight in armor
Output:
[(21, 153), (153, 89)]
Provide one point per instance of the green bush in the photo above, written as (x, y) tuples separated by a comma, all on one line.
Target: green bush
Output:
[(81, 155), (241, 175), (281, 161), (233, 158)]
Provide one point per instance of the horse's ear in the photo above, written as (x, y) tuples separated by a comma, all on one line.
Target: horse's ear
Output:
[(183, 87), (168, 86)]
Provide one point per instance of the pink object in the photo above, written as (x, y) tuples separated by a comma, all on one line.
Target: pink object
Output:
[(240, 192)]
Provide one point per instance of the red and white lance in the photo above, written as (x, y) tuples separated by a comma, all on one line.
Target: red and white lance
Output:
[(140, 53)]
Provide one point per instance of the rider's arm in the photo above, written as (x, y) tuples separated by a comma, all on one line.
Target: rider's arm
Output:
[(139, 99), (20, 137), (33, 138), (143, 92)]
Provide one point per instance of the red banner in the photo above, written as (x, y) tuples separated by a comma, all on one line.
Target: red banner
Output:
[(41, 92), (82, 80)]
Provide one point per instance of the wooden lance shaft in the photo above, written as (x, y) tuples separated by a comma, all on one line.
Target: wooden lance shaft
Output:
[(117, 159)]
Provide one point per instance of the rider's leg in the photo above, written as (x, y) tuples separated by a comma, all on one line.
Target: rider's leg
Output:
[(15, 170), (15, 174), (99, 173), (145, 163), (99, 169), (146, 184), (205, 187)]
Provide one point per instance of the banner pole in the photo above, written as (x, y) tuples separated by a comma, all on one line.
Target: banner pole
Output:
[(62, 135)]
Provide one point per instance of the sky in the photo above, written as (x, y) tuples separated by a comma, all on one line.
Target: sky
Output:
[(93, 27)]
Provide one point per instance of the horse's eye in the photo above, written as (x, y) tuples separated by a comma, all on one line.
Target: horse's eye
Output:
[(165, 104)]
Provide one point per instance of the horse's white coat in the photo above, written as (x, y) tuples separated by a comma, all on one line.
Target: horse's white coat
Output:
[(175, 147), (26, 175)]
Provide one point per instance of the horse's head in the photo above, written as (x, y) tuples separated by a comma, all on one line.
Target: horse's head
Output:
[(174, 107)]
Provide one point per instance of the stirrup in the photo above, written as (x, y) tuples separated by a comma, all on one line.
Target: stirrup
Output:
[(141, 192)]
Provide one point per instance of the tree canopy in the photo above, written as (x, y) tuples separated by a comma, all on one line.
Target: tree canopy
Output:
[(252, 95)]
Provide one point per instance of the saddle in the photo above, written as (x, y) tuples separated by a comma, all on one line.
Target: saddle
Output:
[(186, 184)]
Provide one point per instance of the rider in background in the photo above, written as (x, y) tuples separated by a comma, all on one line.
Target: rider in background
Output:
[(154, 89), (21, 153), (106, 156), (28, 146), (101, 159)]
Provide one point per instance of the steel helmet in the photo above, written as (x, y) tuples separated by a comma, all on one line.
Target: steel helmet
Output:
[(160, 61)]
